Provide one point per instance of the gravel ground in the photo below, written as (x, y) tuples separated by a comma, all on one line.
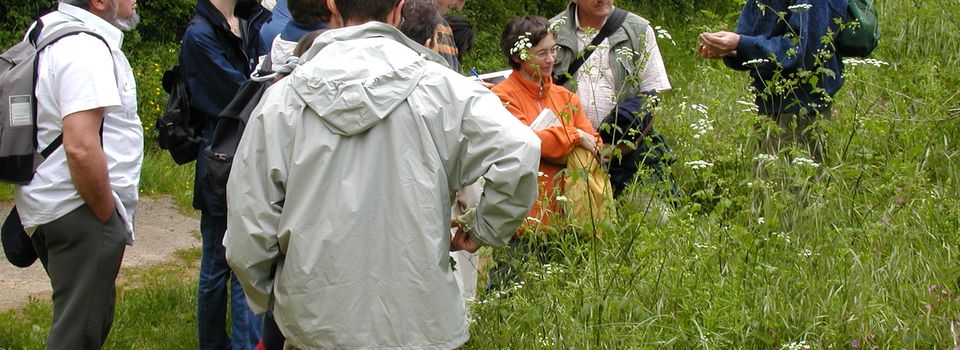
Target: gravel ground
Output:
[(161, 230)]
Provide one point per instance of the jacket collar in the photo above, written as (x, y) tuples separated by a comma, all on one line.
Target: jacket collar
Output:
[(293, 31), (111, 34), (530, 87), (371, 29), (247, 10)]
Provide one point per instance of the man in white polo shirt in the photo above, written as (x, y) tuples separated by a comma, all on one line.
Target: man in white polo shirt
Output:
[(625, 64), (80, 205)]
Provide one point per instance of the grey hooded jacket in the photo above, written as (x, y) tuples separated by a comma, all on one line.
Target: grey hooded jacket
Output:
[(343, 182)]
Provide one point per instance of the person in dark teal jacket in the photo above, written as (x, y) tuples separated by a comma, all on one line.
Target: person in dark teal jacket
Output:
[(778, 41), (219, 50)]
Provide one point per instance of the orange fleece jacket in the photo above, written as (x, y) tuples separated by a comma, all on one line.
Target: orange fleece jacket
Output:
[(525, 99)]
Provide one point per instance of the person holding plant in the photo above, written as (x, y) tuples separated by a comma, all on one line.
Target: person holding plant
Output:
[(795, 71), (531, 50)]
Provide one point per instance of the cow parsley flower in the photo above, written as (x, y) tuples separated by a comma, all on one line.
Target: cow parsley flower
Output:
[(563, 199), (698, 164), (853, 62), (626, 52), (799, 7), (800, 345), (701, 127), (555, 25), (805, 161), (522, 46), (755, 62), (763, 157), (664, 34)]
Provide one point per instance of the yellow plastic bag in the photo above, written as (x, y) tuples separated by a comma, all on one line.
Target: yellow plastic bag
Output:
[(587, 196)]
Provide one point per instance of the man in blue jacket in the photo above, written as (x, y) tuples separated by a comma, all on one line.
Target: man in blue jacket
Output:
[(219, 51), (795, 75)]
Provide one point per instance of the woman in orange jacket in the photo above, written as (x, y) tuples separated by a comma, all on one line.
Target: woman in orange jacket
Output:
[(531, 49)]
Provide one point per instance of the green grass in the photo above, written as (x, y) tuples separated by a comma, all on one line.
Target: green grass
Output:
[(867, 254)]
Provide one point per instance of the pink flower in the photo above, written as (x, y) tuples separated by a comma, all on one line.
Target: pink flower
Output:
[(855, 344)]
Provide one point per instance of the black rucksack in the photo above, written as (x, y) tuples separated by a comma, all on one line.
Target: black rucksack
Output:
[(179, 131), (19, 157), (218, 156)]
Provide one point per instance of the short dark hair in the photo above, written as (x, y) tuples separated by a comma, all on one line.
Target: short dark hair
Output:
[(462, 33), (420, 18), (309, 12), (365, 10), (538, 27), (84, 4)]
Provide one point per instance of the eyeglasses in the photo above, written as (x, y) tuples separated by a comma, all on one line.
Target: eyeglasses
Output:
[(542, 54)]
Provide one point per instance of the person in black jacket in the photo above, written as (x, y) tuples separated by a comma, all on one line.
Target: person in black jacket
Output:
[(219, 51)]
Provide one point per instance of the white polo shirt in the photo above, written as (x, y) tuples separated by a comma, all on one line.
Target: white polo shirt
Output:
[(595, 84), (75, 74)]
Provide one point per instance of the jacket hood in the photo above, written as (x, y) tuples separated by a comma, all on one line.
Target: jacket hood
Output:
[(355, 77)]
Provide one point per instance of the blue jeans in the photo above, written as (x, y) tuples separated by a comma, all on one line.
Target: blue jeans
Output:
[(212, 295)]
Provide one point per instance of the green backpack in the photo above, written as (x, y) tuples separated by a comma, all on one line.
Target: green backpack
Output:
[(859, 35)]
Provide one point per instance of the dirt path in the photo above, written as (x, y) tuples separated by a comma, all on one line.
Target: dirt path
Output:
[(161, 230)]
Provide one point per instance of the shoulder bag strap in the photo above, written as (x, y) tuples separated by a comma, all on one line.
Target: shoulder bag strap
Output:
[(613, 22)]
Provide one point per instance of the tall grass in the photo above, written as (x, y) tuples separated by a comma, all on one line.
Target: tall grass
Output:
[(860, 252), (865, 256)]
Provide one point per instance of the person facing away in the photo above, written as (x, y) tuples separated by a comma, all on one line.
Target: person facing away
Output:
[(610, 74), (445, 43), (79, 208), (782, 54), (420, 19), (308, 16), (219, 50), (341, 189), (529, 91)]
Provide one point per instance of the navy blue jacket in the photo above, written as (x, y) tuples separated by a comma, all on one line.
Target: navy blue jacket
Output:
[(216, 62), (795, 43), (281, 16)]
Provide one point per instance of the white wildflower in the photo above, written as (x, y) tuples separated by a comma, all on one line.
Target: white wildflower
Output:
[(698, 164), (763, 157), (800, 345), (805, 161), (664, 34), (761, 220), (699, 108), (799, 7), (522, 46), (702, 126), (541, 174), (756, 61), (533, 219), (563, 199), (853, 62), (626, 52), (806, 253), (555, 26)]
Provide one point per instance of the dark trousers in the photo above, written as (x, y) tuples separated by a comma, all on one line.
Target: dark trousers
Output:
[(82, 257)]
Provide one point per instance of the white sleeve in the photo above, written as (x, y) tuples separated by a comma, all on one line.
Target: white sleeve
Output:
[(255, 191), (506, 154), (84, 74)]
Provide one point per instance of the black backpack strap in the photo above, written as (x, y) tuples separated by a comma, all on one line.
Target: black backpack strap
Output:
[(613, 22)]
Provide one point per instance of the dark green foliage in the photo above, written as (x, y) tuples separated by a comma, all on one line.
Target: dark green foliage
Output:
[(17, 16)]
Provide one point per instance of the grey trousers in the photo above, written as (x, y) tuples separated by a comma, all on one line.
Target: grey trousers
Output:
[(82, 257)]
